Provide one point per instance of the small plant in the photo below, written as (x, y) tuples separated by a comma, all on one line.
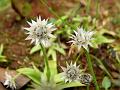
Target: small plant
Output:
[(83, 38), (40, 34), (10, 82)]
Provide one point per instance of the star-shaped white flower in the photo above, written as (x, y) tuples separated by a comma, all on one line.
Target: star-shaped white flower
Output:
[(71, 73), (82, 38), (9, 82), (40, 31)]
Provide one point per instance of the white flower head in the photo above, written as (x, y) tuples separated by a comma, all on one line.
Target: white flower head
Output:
[(82, 38), (9, 82), (85, 78), (71, 73), (40, 31)]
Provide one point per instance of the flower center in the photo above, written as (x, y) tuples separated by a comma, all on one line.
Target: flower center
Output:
[(40, 33), (72, 73)]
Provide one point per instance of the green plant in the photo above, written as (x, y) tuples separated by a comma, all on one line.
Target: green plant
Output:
[(100, 39), (51, 52), (39, 78)]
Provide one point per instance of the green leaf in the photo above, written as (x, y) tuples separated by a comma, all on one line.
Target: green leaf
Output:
[(61, 20), (101, 65), (36, 69), (60, 50), (58, 78), (1, 49), (54, 57), (3, 59), (50, 51), (72, 84), (100, 39), (33, 74), (53, 68), (35, 49), (106, 83)]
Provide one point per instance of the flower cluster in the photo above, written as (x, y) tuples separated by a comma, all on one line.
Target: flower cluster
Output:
[(72, 73), (82, 38), (40, 32)]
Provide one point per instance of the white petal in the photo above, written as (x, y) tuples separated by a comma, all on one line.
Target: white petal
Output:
[(50, 25), (6, 82), (28, 38), (79, 47), (32, 41), (85, 47), (63, 68), (71, 63), (28, 29), (33, 22), (76, 33), (39, 19), (67, 64), (74, 64), (29, 23), (52, 36), (53, 29)]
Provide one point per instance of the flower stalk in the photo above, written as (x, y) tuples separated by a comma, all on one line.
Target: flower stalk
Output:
[(40, 32), (91, 69), (97, 8), (87, 87), (88, 7), (46, 62)]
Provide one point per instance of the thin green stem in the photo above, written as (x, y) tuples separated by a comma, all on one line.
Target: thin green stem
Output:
[(49, 8), (97, 8), (101, 64), (87, 87), (79, 60), (55, 14), (88, 7), (106, 89), (78, 57), (46, 62), (91, 69)]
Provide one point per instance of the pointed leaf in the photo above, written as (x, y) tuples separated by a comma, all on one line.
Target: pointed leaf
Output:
[(1, 49), (72, 84), (60, 50), (54, 57), (58, 78), (35, 49), (31, 73)]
